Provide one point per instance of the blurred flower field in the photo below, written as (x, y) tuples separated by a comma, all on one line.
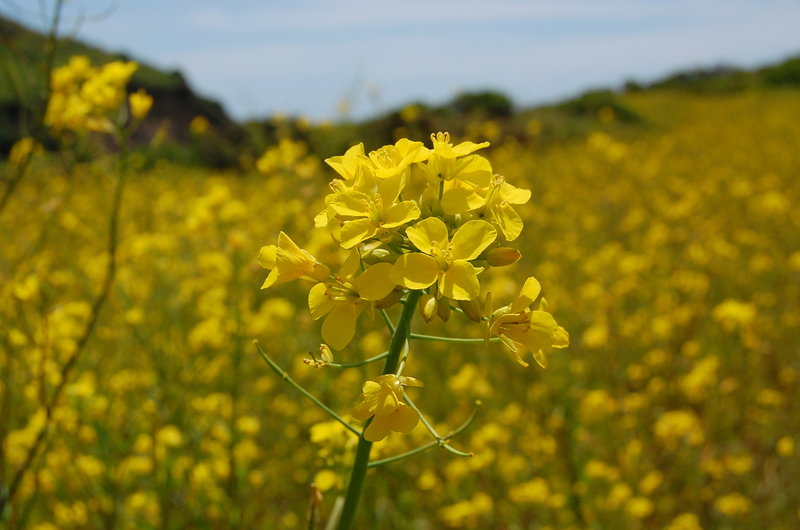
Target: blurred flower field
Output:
[(670, 252)]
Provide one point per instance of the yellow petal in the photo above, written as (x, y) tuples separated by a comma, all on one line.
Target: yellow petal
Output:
[(349, 204), (272, 277), (474, 169), (404, 419), (356, 231), (513, 195), (540, 357), (378, 429), (340, 325), (400, 214), (415, 271), (460, 281), (374, 284), (465, 148), (426, 232), (318, 301), (471, 239), (461, 200), (267, 257), (508, 221), (530, 292), (346, 165)]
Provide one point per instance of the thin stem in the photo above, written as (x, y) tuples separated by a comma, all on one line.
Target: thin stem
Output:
[(360, 363), (427, 446), (442, 441), (417, 336), (388, 321), (97, 306), (360, 465), (282, 373)]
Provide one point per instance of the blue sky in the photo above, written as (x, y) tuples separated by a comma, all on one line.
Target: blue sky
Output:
[(303, 57)]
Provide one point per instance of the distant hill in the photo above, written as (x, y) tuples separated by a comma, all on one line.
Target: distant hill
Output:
[(21, 80), (176, 104)]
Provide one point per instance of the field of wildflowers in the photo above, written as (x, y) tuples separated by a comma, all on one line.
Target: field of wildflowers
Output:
[(132, 395)]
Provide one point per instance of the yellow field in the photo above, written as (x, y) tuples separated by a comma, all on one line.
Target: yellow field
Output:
[(670, 252)]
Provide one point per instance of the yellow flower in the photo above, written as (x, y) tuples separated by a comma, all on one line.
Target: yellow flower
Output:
[(348, 164), (457, 175), (382, 399), (498, 209), (343, 299), (140, 103), (370, 209), (287, 262), (521, 329), (443, 260)]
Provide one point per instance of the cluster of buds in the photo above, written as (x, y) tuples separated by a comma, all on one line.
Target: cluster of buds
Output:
[(86, 98)]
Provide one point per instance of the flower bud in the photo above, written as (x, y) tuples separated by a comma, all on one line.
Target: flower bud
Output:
[(502, 256), (376, 255), (443, 309), (427, 307), (471, 309)]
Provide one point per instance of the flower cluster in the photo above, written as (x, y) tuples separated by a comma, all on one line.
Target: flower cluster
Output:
[(413, 218), (86, 98)]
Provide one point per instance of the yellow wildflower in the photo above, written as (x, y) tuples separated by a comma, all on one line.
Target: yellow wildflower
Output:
[(344, 298), (521, 329), (382, 401), (287, 262), (443, 260)]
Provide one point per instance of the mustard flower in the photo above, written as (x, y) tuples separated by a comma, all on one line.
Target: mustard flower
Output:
[(521, 329), (382, 400), (498, 210), (342, 300), (288, 262), (443, 260)]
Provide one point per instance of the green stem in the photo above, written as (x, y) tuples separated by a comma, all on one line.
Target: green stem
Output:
[(417, 336), (438, 443), (359, 472), (282, 373), (360, 363)]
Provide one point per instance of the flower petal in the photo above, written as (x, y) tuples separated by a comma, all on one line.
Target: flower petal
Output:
[(404, 419), (530, 292), (340, 325), (415, 271), (471, 239), (508, 221), (318, 301), (356, 231), (426, 232), (460, 200), (378, 429), (374, 283), (400, 214), (460, 281), (349, 203)]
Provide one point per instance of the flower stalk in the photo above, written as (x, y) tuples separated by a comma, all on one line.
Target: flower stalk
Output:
[(361, 464)]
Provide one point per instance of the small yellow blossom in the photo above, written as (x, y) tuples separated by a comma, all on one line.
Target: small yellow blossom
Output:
[(382, 401)]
